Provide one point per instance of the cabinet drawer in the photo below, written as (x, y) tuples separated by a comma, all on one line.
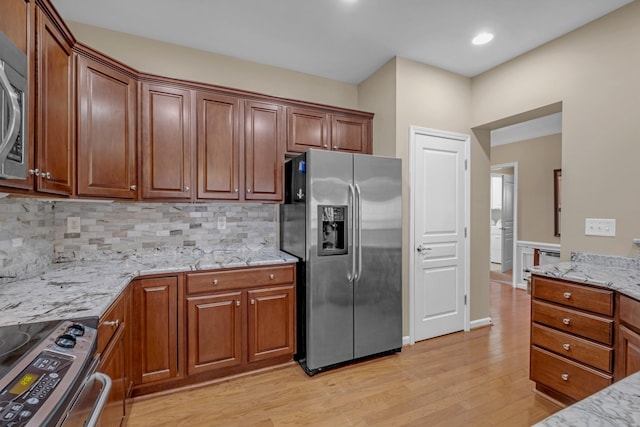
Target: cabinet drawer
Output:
[(572, 321), (213, 281), (596, 355), (630, 312), (113, 319), (578, 296), (566, 376)]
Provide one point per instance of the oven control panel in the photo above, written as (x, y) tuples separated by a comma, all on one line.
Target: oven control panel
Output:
[(41, 384)]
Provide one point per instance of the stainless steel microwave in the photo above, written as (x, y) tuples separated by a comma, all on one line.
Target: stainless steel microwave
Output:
[(14, 126)]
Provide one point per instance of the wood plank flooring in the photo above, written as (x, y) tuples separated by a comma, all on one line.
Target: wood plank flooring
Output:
[(479, 378)]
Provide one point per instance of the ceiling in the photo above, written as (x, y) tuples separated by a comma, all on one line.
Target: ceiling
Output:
[(346, 40)]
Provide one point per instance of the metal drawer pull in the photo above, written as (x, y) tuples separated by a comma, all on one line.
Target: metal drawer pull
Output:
[(567, 295), (272, 276), (566, 321), (566, 346), (115, 323), (565, 377)]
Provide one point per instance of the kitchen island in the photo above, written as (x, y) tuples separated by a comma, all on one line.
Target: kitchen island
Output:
[(619, 403), (87, 288)]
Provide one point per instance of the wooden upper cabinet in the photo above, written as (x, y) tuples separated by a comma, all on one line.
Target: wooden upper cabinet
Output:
[(167, 142), (14, 15), (55, 110), (264, 151), (307, 129), (106, 131), (351, 134), (218, 128)]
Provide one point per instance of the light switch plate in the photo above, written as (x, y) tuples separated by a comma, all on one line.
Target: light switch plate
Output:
[(600, 227), (222, 222), (73, 224)]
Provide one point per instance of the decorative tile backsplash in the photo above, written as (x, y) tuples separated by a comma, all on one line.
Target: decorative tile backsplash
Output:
[(26, 238), (33, 233)]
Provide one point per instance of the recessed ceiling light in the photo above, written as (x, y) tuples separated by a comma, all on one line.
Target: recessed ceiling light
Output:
[(482, 38)]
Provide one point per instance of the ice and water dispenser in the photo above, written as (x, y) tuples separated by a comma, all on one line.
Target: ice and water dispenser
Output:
[(332, 230)]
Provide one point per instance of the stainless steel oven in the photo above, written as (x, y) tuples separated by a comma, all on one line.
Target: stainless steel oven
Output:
[(14, 143), (48, 375)]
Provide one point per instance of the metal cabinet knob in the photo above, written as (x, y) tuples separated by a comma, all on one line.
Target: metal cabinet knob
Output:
[(133, 188), (35, 172), (248, 190), (186, 189), (567, 295), (115, 323), (215, 281), (45, 175), (566, 346), (272, 276), (565, 377), (253, 301), (326, 145), (235, 190), (237, 303), (566, 320)]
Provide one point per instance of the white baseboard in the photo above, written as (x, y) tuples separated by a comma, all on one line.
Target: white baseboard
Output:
[(406, 340), (479, 323)]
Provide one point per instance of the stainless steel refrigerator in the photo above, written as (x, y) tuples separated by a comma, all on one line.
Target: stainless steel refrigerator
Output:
[(342, 218)]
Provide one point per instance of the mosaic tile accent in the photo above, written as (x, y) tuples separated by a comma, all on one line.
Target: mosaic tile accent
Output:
[(26, 238), (114, 230)]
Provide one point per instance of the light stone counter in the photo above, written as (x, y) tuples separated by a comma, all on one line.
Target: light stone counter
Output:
[(87, 288), (618, 273), (616, 406)]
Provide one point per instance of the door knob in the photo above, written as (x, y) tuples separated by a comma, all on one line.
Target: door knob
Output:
[(422, 249)]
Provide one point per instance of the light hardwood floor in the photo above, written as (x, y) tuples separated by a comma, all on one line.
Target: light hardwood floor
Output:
[(479, 378)]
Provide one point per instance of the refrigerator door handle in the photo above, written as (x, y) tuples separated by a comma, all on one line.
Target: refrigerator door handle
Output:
[(358, 227), (352, 202)]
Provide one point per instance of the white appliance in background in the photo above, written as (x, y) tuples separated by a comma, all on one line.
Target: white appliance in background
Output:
[(548, 253), (496, 244)]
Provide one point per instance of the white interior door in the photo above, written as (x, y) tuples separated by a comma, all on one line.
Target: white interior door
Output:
[(507, 222), (439, 220)]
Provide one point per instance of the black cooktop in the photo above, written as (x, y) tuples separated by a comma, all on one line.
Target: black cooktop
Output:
[(17, 340)]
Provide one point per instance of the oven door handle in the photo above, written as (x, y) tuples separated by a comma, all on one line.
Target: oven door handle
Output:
[(102, 398), (14, 121)]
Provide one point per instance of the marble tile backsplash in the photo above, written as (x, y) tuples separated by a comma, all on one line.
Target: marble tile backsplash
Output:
[(26, 238), (33, 232)]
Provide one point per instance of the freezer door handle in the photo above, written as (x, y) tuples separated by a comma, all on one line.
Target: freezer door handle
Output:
[(352, 196), (358, 221)]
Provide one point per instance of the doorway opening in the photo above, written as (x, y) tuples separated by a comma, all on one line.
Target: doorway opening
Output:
[(503, 218)]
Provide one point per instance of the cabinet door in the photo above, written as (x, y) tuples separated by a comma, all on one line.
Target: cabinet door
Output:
[(155, 330), (351, 134), (112, 363), (271, 322), (218, 146), (106, 131), (55, 109), (628, 352), (214, 325), (166, 142), (264, 151), (306, 129)]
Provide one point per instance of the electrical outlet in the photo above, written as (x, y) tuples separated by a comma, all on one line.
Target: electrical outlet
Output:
[(222, 222), (600, 227), (73, 224)]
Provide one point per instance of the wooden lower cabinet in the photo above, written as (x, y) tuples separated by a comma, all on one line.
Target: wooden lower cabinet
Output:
[(628, 338), (572, 337), (114, 345), (156, 330), (205, 325), (215, 334), (239, 320)]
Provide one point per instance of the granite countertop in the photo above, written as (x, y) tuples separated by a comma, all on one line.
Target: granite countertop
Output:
[(615, 406), (87, 288), (618, 404), (618, 273)]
